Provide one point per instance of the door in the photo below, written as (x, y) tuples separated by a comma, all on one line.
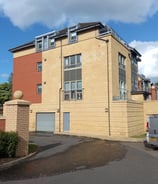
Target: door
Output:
[(66, 117), (45, 122)]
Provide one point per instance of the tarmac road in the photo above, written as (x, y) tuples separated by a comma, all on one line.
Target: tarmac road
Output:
[(138, 165)]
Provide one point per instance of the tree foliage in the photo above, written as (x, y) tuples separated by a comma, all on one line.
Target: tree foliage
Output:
[(156, 84), (6, 91)]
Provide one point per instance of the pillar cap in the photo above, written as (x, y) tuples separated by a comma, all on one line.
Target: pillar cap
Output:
[(18, 94), (18, 102)]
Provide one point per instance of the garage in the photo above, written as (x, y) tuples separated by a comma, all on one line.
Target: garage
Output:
[(45, 122)]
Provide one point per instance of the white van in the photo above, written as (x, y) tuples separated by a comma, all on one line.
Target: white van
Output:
[(152, 131)]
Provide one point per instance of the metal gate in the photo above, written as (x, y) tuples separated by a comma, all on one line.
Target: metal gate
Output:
[(45, 122)]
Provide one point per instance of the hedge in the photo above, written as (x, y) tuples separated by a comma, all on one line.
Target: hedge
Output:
[(8, 143)]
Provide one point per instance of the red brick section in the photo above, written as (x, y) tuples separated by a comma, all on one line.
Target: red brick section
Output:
[(2, 124), (153, 93), (26, 77)]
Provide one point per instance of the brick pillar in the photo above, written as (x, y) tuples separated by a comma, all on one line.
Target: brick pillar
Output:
[(153, 92), (16, 113), (2, 123)]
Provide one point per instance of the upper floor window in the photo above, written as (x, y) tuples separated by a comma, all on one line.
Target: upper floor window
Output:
[(134, 74), (39, 45), (45, 42), (121, 60), (72, 77), (72, 61), (122, 77), (51, 42), (39, 66), (72, 36), (39, 89)]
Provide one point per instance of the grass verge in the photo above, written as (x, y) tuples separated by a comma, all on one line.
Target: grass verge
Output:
[(33, 148)]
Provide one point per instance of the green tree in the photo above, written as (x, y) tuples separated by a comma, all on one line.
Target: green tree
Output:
[(156, 84), (6, 90)]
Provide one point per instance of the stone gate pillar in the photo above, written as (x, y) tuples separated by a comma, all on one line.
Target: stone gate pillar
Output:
[(16, 113)]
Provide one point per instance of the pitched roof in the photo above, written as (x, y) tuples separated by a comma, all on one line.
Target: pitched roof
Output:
[(22, 47), (59, 34)]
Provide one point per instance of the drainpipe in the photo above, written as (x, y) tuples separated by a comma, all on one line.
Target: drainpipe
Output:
[(108, 87), (61, 84)]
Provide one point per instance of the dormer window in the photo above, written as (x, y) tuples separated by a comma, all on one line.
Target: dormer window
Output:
[(51, 42), (45, 42), (72, 36), (39, 45)]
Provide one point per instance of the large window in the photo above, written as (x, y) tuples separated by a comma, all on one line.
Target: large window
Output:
[(72, 61), (122, 76), (72, 77)]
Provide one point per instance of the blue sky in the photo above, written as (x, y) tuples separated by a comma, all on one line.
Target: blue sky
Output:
[(136, 21)]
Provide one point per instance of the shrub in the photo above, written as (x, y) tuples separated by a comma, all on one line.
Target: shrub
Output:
[(33, 148), (8, 143)]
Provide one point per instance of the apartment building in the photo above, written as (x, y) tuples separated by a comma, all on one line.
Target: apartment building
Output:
[(80, 81)]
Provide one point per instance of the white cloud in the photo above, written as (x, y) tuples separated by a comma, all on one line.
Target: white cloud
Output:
[(57, 12), (4, 75), (149, 64)]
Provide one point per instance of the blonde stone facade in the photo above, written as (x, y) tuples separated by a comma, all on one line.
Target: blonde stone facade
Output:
[(98, 113)]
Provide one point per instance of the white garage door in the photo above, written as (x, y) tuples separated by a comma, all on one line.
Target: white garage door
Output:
[(45, 122)]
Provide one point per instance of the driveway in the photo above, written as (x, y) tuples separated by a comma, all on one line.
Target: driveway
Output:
[(60, 154), (135, 164)]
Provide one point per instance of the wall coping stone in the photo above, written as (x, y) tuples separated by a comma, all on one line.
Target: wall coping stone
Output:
[(18, 102)]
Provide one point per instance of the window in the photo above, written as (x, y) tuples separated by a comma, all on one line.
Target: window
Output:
[(72, 61), (122, 77), (39, 89), (72, 77), (73, 90), (121, 59), (39, 45), (72, 36), (122, 90), (45, 42), (39, 66), (134, 76), (51, 43)]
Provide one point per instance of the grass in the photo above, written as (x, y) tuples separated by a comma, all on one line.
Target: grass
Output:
[(139, 136), (32, 148)]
